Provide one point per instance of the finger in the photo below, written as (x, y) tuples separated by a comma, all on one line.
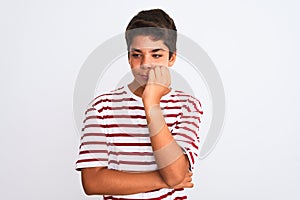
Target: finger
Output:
[(165, 75), (157, 74), (189, 179), (151, 75), (188, 185), (189, 175), (168, 75)]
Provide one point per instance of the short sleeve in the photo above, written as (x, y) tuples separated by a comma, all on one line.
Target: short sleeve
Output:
[(186, 132), (93, 144)]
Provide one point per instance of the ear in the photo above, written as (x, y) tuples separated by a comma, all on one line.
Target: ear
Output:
[(172, 59)]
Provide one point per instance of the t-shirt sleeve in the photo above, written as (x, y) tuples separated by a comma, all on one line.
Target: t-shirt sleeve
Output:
[(93, 144), (187, 130)]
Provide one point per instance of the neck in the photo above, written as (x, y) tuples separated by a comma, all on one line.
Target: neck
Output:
[(136, 88)]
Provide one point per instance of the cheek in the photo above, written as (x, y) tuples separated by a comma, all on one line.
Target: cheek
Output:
[(133, 63), (163, 61), (134, 69)]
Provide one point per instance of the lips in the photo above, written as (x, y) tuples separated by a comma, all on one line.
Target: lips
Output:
[(145, 77)]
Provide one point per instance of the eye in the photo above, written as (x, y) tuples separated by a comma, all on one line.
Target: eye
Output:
[(136, 55), (156, 55)]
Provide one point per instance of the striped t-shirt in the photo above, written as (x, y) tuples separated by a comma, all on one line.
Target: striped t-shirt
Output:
[(115, 134)]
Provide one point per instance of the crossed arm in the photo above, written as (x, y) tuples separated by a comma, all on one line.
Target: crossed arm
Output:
[(103, 181), (173, 165), (100, 180)]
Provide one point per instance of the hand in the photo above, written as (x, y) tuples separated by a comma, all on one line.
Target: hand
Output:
[(157, 85), (187, 181)]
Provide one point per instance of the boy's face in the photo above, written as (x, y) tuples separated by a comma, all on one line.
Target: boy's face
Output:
[(144, 54)]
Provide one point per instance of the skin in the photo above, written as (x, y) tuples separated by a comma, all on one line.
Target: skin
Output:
[(146, 57)]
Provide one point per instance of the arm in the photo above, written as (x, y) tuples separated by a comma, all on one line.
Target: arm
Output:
[(173, 164), (174, 169), (93, 159), (100, 180), (103, 181)]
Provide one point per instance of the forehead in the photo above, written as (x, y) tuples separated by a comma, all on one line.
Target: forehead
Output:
[(142, 42)]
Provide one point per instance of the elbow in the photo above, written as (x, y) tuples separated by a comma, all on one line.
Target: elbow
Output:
[(87, 191), (174, 180), (88, 188), (89, 182), (174, 175), (90, 192), (91, 189)]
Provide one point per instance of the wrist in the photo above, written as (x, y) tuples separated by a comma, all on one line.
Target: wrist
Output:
[(150, 101)]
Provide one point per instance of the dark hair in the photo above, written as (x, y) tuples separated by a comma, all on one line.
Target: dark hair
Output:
[(155, 23)]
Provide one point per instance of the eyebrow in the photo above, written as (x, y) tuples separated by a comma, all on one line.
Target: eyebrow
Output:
[(153, 50)]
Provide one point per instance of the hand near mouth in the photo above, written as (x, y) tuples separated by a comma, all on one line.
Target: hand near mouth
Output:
[(144, 76), (158, 84)]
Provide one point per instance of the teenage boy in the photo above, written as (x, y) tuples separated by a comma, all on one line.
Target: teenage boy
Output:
[(141, 140)]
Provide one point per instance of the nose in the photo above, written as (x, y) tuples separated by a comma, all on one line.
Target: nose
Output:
[(145, 66), (146, 63)]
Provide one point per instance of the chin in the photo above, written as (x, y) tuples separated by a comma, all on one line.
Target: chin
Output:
[(140, 82), (143, 84)]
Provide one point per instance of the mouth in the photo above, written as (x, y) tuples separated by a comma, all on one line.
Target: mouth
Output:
[(145, 77)]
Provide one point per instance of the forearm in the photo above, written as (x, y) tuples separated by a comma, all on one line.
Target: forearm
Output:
[(173, 164), (112, 182)]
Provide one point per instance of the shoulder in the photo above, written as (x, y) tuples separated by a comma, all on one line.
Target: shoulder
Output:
[(187, 99), (107, 97)]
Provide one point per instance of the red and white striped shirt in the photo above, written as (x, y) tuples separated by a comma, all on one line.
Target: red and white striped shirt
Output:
[(115, 134)]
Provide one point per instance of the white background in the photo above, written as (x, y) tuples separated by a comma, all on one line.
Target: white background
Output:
[(254, 45)]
